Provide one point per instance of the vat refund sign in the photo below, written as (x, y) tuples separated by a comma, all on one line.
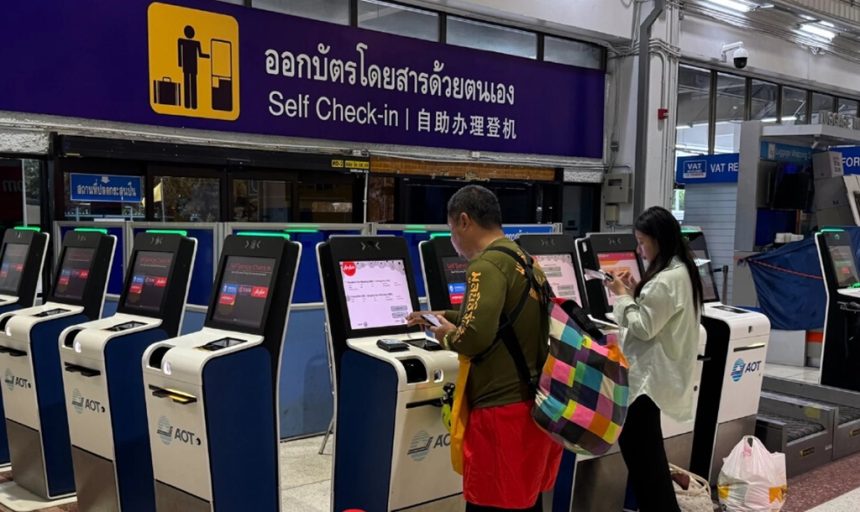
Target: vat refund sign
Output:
[(708, 169)]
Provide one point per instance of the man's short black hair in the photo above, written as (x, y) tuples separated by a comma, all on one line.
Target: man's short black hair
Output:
[(479, 203)]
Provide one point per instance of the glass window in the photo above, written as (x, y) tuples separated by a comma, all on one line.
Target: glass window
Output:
[(32, 191), (694, 90), (572, 53), (821, 103), (334, 11), (82, 210), (793, 106), (397, 19), (261, 200), (847, 107), (494, 38), (731, 100), (186, 199), (237, 2), (764, 96), (329, 200)]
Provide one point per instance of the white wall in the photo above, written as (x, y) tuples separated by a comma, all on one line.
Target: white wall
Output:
[(769, 56)]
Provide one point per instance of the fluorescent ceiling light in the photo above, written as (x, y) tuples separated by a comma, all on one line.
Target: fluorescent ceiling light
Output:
[(732, 4), (818, 30)]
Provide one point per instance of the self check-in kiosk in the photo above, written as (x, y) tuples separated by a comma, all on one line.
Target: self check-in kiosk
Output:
[(30, 362), (444, 273), (105, 398), (22, 257), (732, 372), (391, 450), (212, 396)]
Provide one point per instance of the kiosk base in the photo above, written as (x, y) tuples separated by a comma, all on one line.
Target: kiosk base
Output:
[(94, 480), (171, 499)]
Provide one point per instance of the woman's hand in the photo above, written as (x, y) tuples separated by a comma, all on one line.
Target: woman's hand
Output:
[(617, 286)]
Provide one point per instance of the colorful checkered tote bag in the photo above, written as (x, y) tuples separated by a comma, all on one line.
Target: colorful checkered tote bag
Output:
[(581, 394), (581, 397)]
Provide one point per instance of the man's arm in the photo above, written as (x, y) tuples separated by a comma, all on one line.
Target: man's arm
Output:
[(486, 289)]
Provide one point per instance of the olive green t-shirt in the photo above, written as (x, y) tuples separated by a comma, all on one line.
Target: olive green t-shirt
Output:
[(495, 283)]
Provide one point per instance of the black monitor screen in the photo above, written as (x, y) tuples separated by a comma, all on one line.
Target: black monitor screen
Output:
[(245, 287), (377, 293), (843, 265), (707, 276), (149, 276), (74, 273), (12, 266), (561, 275), (455, 278)]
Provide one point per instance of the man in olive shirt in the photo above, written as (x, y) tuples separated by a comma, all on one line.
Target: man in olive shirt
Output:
[(508, 460)]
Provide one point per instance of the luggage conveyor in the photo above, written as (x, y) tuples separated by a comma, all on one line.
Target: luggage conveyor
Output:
[(846, 435), (801, 429)]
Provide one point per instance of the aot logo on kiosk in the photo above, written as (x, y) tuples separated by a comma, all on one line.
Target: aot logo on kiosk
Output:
[(193, 63), (740, 368), (423, 442), (81, 403), (13, 382), (167, 433)]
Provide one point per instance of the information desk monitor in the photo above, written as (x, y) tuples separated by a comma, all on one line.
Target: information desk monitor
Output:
[(556, 255), (160, 272), (699, 247), (444, 273)]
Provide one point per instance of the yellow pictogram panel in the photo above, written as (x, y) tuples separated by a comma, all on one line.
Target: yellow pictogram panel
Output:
[(193, 62)]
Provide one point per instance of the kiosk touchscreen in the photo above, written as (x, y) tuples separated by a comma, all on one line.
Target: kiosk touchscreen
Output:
[(444, 273), (391, 450), (840, 356), (22, 257), (30, 362), (728, 401), (556, 255), (212, 396), (607, 252), (103, 379)]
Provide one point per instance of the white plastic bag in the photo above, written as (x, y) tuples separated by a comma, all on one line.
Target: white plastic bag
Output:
[(752, 479)]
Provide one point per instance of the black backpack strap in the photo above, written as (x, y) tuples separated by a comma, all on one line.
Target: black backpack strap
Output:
[(506, 333)]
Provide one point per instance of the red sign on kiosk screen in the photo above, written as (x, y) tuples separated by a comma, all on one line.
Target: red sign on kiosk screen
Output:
[(149, 275), (74, 272)]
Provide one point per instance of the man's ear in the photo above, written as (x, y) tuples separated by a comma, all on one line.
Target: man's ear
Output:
[(463, 220)]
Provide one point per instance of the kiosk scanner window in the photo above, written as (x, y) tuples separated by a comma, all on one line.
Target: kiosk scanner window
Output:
[(74, 272), (245, 289), (149, 277), (561, 275), (377, 293), (11, 267), (618, 263)]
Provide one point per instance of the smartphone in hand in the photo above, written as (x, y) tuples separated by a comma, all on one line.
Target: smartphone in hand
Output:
[(431, 319)]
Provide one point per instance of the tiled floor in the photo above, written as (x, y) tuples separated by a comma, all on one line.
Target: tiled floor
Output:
[(782, 371), (306, 485)]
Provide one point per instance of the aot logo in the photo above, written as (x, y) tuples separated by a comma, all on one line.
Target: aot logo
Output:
[(80, 403), (740, 368), (423, 442), (348, 268), (167, 433), (13, 382)]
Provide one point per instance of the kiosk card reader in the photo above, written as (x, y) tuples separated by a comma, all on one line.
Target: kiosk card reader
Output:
[(22, 257), (840, 353), (391, 450), (105, 398), (734, 362), (30, 362), (212, 396), (444, 273)]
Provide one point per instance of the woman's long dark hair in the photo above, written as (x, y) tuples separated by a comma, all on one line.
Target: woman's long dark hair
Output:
[(661, 225)]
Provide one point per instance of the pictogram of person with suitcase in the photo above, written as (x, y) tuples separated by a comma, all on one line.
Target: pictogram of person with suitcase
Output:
[(189, 51)]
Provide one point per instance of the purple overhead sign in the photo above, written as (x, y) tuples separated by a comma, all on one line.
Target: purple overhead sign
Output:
[(214, 66)]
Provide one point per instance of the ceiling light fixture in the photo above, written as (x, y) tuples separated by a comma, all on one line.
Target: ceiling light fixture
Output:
[(732, 4), (819, 30)]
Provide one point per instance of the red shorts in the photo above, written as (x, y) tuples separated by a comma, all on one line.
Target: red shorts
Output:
[(508, 460)]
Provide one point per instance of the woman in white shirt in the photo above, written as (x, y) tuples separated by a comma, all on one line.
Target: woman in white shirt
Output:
[(660, 318)]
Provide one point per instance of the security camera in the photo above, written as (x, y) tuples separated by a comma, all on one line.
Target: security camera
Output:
[(740, 55)]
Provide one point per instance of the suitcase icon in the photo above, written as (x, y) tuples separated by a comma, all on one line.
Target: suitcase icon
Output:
[(222, 74), (166, 91)]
